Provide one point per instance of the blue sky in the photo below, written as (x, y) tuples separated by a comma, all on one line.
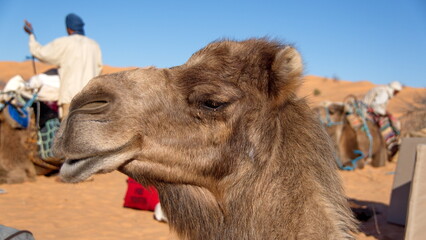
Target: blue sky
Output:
[(374, 40)]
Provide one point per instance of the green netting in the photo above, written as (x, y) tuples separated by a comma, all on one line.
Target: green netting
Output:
[(45, 138)]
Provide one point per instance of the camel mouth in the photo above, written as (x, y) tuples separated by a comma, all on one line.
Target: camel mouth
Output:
[(76, 170), (74, 161)]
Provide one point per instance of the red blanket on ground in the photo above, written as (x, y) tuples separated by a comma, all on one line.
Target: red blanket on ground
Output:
[(139, 197)]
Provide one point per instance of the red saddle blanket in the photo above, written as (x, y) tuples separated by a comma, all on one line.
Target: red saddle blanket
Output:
[(139, 197)]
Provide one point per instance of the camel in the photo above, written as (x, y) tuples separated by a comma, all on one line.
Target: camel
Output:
[(344, 137), (233, 153), (15, 165), (19, 158), (349, 140)]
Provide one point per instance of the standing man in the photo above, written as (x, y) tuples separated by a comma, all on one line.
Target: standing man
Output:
[(78, 57)]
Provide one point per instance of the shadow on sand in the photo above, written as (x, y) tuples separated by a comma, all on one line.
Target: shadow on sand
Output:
[(373, 220)]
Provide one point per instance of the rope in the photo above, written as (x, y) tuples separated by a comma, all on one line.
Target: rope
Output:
[(31, 101), (353, 161), (365, 127), (329, 122), (376, 224), (359, 106), (34, 65), (358, 110)]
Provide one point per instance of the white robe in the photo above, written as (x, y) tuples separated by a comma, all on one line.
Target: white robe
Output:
[(78, 57), (378, 98)]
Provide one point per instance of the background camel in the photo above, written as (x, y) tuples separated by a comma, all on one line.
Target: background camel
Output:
[(232, 151), (15, 164), (19, 157), (347, 138)]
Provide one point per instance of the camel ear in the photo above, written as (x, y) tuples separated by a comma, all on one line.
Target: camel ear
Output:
[(287, 69)]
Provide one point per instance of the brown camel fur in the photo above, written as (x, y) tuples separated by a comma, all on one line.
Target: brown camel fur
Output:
[(412, 121), (347, 139), (15, 165), (232, 151), (19, 158)]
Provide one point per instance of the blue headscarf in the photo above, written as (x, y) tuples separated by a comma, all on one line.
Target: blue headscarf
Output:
[(74, 22)]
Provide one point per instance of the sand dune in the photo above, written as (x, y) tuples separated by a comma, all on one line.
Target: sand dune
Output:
[(325, 88), (27, 69), (338, 90)]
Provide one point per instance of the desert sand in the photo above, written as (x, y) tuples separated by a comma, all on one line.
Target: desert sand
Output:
[(94, 209)]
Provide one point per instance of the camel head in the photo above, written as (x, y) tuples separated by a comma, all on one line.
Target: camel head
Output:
[(185, 124), (233, 152)]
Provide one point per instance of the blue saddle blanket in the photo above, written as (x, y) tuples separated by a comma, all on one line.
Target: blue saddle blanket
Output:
[(21, 116)]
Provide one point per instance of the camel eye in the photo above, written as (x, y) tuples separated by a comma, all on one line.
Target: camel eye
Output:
[(212, 105)]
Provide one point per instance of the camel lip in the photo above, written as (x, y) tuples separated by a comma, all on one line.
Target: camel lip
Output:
[(75, 170), (74, 161), (77, 167)]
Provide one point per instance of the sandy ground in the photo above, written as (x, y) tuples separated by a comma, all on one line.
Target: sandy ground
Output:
[(372, 187), (93, 210), (89, 210)]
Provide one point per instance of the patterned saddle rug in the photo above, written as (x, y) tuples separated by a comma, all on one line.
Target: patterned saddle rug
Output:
[(388, 129)]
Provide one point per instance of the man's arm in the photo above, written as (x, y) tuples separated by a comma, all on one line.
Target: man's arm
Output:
[(50, 53)]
